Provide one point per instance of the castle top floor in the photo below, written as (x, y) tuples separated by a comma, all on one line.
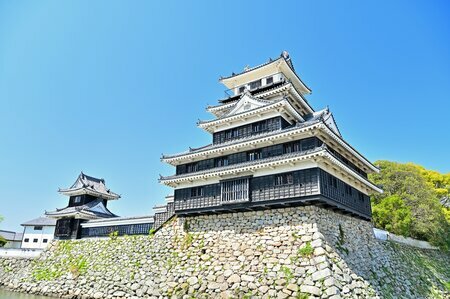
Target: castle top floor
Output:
[(270, 73)]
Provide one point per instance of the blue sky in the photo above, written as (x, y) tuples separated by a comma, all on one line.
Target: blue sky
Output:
[(107, 86)]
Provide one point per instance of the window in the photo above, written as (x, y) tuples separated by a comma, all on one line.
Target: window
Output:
[(35, 240), (255, 155), (287, 148), (44, 240), (38, 228), (256, 127), (348, 190), (241, 89), (332, 181), (284, 179), (361, 196), (192, 167), (255, 84), (196, 191), (222, 161), (235, 190), (77, 199), (308, 144), (228, 134), (269, 80), (26, 240)]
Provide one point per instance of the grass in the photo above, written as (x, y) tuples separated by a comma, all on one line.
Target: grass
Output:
[(187, 241), (306, 251), (287, 273), (113, 235)]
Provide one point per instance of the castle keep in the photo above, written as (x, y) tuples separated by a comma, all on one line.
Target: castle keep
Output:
[(270, 148)]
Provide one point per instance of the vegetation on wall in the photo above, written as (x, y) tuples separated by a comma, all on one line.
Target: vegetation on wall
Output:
[(414, 203)]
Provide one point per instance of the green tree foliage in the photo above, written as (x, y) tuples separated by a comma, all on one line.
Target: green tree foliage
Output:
[(2, 240), (411, 203), (393, 214)]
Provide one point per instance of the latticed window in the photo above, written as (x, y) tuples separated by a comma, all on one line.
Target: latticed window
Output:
[(284, 179), (254, 155), (348, 190), (192, 167), (235, 191), (196, 191), (255, 84), (222, 161)]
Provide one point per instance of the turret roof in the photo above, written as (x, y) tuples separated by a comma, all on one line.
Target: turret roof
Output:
[(85, 184), (92, 210)]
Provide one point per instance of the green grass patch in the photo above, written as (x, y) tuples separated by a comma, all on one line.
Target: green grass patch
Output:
[(306, 251)]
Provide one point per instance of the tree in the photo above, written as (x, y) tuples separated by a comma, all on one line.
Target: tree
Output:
[(393, 215), (410, 204), (2, 240)]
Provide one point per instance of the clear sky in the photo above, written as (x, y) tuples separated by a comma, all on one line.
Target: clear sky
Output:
[(105, 87)]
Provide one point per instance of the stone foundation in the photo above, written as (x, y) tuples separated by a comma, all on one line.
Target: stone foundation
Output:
[(303, 252)]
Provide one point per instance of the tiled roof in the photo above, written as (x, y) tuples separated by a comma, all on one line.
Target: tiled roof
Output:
[(311, 119), (8, 235), (91, 184), (228, 115), (11, 236), (244, 164), (284, 55), (120, 219), (43, 221), (254, 92), (95, 208)]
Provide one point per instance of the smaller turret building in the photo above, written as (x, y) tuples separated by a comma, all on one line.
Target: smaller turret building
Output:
[(88, 200)]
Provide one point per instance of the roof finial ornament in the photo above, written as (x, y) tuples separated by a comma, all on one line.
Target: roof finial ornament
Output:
[(285, 54), (246, 68)]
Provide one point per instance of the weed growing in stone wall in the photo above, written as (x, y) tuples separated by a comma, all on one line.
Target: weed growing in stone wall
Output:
[(287, 273), (78, 266), (306, 250), (186, 226), (64, 262), (341, 240), (41, 273), (151, 232), (113, 235), (187, 241)]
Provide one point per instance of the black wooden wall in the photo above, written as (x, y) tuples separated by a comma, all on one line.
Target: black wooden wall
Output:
[(290, 185), (122, 230), (344, 194), (302, 145), (262, 126)]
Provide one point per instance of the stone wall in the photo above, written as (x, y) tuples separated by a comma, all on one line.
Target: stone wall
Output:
[(304, 252)]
